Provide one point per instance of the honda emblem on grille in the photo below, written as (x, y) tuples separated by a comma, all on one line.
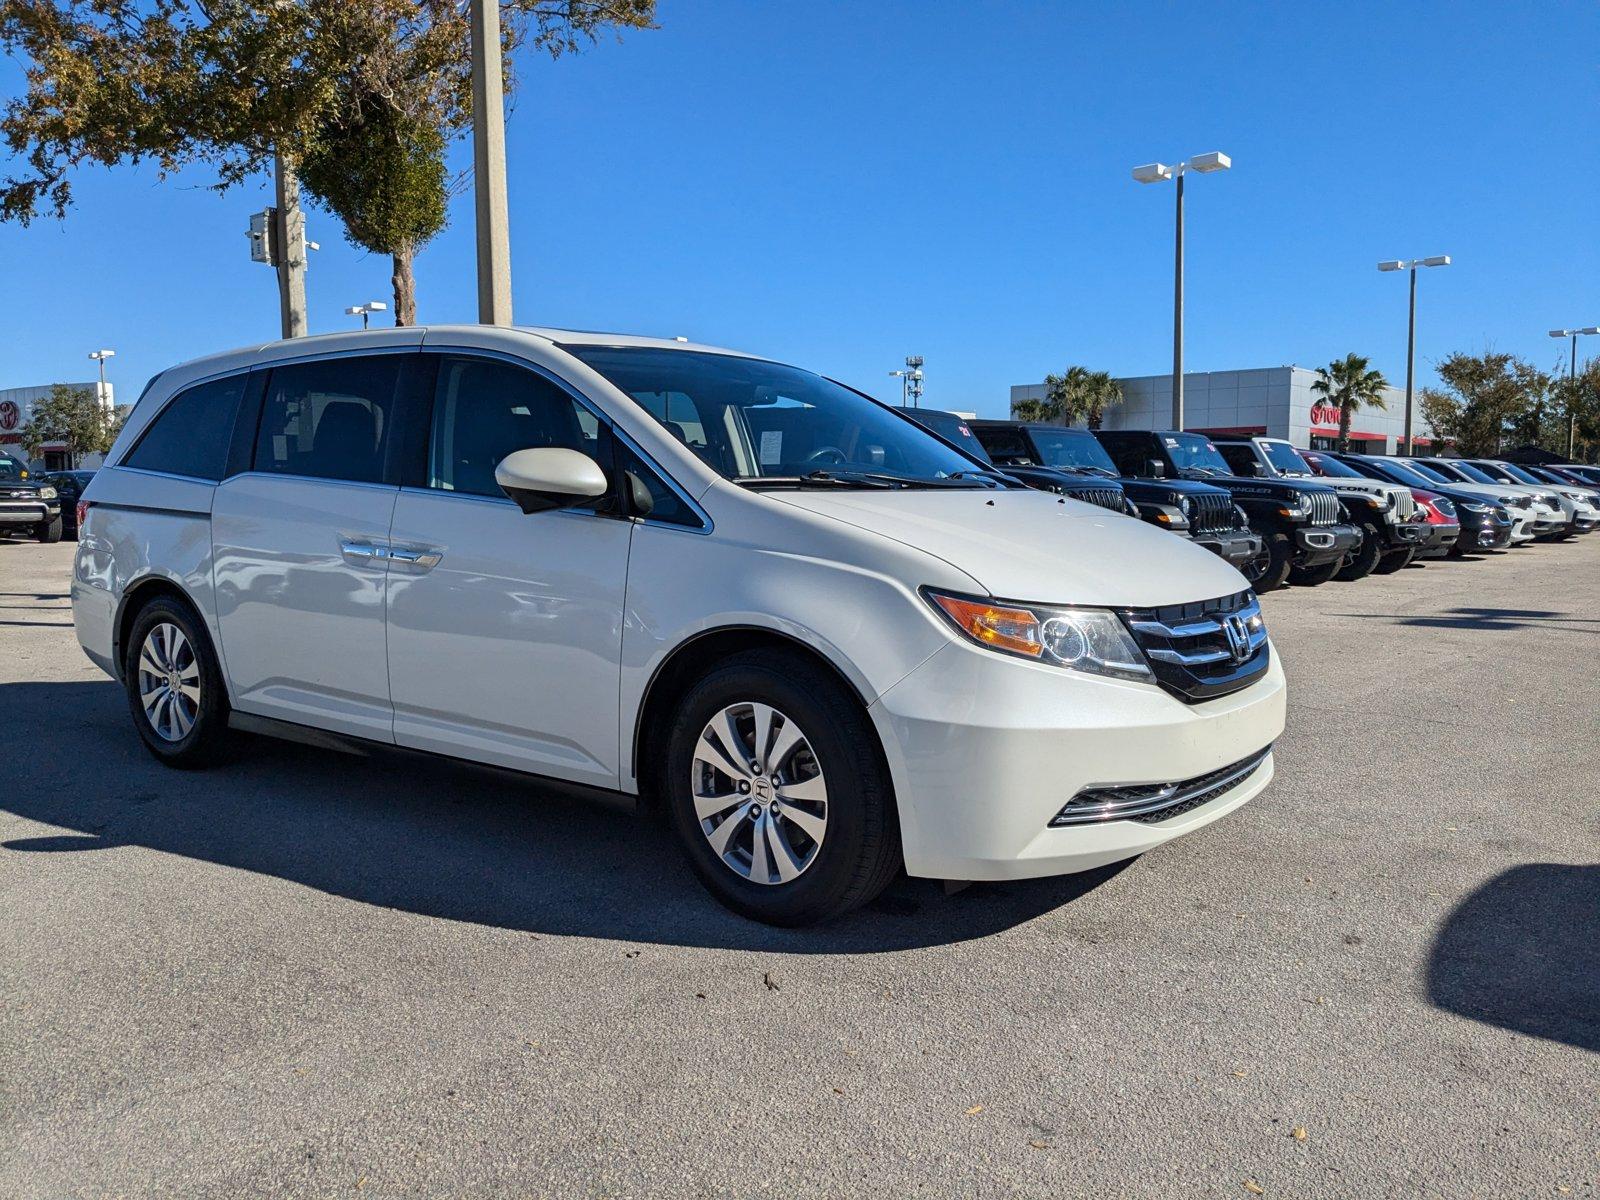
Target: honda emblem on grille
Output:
[(1238, 634)]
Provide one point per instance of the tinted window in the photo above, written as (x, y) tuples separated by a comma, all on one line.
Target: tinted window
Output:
[(1191, 452), (951, 428), (1285, 458), (649, 495), (1072, 451), (329, 419), (484, 409), (190, 436), (12, 468), (1241, 459), (1007, 446), (1323, 465)]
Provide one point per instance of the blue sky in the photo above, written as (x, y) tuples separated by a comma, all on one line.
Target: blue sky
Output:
[(840, 184)]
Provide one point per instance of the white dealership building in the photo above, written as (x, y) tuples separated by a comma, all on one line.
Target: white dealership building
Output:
[(1267, 401), (16, 406)]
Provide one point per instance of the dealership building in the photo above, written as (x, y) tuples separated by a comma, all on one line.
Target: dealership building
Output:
[(16, 406), (1268, 401)]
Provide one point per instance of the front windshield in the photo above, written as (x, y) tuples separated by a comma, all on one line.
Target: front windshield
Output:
[(1473, 473), (1410, 472), (1285, 459), (751, 420), (1072, 451), (951, 428), (12, 468), (1518, 473), (1191, 452), (1332, 467)]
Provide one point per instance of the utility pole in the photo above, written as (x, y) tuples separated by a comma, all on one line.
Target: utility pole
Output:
[(1572, 383), (489, 166), (1437, 260), (290, 236)]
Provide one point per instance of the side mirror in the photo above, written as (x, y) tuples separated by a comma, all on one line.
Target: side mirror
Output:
[(1155, 468), (540, 480)]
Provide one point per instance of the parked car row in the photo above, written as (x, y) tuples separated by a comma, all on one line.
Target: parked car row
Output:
[(1281, 514), (829, 639)]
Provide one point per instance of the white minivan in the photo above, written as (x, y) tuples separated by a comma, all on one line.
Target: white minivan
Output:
[(826, 641)]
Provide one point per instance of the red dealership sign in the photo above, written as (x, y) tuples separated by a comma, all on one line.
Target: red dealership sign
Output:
[(1324, 412)]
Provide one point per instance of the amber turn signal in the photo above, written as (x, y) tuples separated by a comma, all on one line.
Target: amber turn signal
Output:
[(1013, 629)]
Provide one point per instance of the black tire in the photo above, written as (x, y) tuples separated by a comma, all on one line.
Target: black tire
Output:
[(206, 738), (1365, 558), (49, 531), (859, 851), (1314, 576), (1395, 560), (1276, 571)]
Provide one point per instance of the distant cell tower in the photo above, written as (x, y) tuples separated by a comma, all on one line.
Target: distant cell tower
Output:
[(910, 382)]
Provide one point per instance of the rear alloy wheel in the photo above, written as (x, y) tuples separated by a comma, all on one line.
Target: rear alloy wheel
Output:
[(778, 792), (1395, 560), (174, 686), (1364, 559)]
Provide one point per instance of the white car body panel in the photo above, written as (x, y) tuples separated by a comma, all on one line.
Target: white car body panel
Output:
[(533, 641)]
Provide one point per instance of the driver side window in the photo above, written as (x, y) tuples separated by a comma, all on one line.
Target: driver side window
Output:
[(484, 409)]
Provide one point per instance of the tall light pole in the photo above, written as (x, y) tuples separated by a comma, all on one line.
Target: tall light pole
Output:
[(1438, 260), (910, 381), (1160, 173), (100, 356), (489, 166), (364, 311), (1572, 412)]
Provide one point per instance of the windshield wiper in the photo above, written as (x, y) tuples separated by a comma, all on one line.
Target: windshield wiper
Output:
[(864, 479), (1087, 469)]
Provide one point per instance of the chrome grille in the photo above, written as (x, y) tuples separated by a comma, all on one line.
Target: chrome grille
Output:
[(1203, 650), (1148, 803), (1324, 507), (1213, 514), (1405, 504)]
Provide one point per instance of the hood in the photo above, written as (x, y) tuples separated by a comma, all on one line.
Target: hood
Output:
[(1151, 489), (1034, 546), (1270, 489)]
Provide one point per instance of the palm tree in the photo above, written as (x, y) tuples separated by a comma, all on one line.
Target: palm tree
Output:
[(1347, 383), (1032, 410), (1080, 394)]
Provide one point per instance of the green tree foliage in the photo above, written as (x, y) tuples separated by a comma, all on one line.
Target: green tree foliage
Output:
[(365, 95), (1077, 394), (74, 416), (1486, 399), (1350, 384)]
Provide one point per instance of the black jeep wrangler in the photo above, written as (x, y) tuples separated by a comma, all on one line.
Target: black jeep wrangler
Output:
[(1198, 511), (28, 502), (1304, 524)]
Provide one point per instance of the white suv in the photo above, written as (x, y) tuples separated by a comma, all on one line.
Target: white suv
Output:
[(828, 642)]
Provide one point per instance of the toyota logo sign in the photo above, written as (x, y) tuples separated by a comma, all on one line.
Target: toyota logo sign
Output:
[(10, 415)]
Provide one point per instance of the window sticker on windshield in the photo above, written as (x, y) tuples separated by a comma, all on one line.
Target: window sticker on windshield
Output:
[(771, 447), (1173, 442)]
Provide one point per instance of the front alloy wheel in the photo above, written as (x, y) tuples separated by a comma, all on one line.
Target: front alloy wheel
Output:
[(759, 793)]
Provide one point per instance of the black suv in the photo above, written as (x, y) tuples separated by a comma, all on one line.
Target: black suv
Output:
[(957, 430), (28, 503), (1303, 523), (1198, 511)]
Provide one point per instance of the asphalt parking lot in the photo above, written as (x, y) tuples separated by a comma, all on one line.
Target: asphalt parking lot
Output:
[(311, 973)]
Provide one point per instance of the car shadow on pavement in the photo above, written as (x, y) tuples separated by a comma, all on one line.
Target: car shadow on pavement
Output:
[(1488, 618), (1523, 952), (437, 838)]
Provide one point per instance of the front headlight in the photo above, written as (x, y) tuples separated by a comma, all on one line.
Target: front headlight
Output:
[(1091, 640), (47, 493), (1186, 507), (1469, 506)]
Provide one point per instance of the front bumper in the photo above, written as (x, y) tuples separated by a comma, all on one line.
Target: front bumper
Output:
[(29, 512), (1521, 527), (985, 751), (1234, 546), (1438, 541), (1315, 545)]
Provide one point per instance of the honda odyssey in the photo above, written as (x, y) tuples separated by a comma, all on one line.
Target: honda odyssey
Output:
[(816, 634)]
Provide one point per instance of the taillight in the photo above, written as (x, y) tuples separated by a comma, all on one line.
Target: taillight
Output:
[(83, 511)]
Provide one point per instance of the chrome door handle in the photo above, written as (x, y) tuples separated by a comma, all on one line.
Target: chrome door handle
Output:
[(363, 553), (424, 559)]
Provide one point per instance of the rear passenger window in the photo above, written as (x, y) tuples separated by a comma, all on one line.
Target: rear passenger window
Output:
[(329, 419), (484, 409), (190, 436)]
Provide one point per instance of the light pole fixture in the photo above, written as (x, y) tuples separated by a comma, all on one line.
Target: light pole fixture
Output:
[(910, 381), (1437, 260), (100, 356), (364, 311), (1572, 414), (1204, 164)]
